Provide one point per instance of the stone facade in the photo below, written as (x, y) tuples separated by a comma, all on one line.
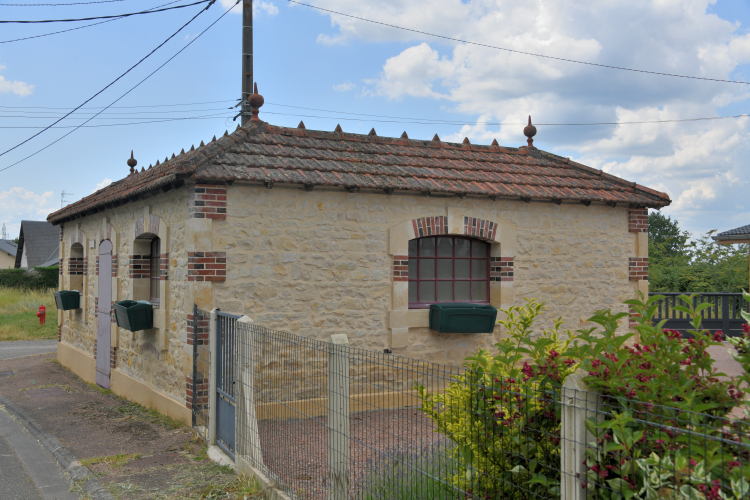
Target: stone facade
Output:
[(160, 357), (326, 261)]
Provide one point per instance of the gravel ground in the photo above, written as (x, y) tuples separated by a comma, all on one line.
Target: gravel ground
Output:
[(296, 450)]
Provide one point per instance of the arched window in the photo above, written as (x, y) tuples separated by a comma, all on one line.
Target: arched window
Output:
[(448, 269)]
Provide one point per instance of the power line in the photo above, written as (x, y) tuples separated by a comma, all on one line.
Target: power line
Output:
[(54, 4), (77, 27), (137, 84), (124, 107), (118, 16), (621, 68), (107, 115), (111, 83), (102, 125), (103, 117)]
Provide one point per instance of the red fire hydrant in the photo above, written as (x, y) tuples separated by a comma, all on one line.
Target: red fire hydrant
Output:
[(42, 315)]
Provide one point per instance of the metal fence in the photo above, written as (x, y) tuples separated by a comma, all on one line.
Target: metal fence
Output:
[(723, 313), (328, 421)]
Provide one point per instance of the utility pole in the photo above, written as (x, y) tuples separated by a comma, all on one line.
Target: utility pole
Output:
[(5, 235), (247, 59)]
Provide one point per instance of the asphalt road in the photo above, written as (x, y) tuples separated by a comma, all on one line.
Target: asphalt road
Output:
[(27, 470), (17, 349)]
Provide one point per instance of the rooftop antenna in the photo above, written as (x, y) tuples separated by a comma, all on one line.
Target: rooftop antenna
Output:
[(63, 201), (5, 234), (247, 59)]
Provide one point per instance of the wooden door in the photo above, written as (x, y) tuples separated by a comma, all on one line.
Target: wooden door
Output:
[(103, 314)]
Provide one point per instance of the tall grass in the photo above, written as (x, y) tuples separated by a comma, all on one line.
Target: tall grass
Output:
[(18, 319)]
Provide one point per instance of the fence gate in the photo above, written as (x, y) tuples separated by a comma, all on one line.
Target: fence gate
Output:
[(226, 332), (723, 314)]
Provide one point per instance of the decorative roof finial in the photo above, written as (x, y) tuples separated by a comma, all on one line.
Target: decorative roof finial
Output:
[(132, 162), (256, 101), (529, 131)]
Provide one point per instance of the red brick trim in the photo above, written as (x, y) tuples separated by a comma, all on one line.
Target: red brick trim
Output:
[(633, 318), (501, 268), (113, 357), (76, 266), (638, 220), (200, 398), (200, 336), (139, 266), (59, 332), (480, 228), (207, 266), (400, 268), (638, 268), (208, 202), (164, 266), (114, 266), (430, 226)]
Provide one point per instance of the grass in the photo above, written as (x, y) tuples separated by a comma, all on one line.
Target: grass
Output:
[(149, 414), (18, 310), (412, 476), (113, 461)]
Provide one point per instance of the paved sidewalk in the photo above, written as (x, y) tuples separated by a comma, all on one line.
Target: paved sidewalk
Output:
[(134, 453)]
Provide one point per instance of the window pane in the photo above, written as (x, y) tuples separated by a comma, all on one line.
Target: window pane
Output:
[(427, 291), (463, 247), (413, 248), (462, 268), (427, 247), (445, 269), (445, 291), (412, 291), (445, 247), (479, 249), (478, 290), (478, 268), (426, 269), (413, 268), (462, 290)]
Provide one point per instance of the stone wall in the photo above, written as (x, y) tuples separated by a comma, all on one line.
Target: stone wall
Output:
[(322, 262), (160, 357)]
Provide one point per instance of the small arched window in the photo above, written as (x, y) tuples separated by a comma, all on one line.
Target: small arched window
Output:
[(448, 269)]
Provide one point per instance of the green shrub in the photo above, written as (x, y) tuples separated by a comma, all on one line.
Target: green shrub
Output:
[(38, 278), (503, 414)]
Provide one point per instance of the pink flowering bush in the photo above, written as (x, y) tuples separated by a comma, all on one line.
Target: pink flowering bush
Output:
[(667, 436)]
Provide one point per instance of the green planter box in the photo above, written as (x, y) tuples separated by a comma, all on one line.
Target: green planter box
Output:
[(65, 300), (134, 316), (460, 317)]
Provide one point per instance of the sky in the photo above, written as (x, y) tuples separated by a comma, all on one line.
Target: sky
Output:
[(328, 69)]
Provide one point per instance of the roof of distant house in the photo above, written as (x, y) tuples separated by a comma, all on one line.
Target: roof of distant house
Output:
[(8, 247), (738, 233), (263, 153), (39, 239)]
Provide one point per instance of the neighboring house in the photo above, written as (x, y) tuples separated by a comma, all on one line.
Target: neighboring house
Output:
[(38, 243), (8, 250), (330, 232), (733, 236)]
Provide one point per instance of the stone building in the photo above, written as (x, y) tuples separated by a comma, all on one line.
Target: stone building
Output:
[(319, 233)]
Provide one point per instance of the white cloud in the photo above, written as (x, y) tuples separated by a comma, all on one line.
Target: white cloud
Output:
[(702, 165), (15, 86), (259, 7), (106, 182), (18, 204), (344, 87)]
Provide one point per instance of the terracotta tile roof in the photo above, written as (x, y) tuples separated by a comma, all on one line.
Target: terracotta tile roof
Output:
[(269, 154)]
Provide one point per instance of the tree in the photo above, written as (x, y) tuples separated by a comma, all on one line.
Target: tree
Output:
[(680, 264)]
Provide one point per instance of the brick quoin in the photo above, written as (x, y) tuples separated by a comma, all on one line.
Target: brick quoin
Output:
[(207, 266), (208, 202), (638, 268), (113, 357), (501, 268), (400, 268), (638, 220)]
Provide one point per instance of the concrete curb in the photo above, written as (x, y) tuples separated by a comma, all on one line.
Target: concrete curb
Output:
[(78, 473)]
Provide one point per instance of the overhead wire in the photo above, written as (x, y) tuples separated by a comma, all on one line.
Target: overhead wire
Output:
[(116, 16), (113, 81), (193, 40), (77, 27), (101, 125), (55, 4), (453, 39)]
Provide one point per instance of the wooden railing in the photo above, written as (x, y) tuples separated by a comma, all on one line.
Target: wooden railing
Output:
[(724, 313)]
